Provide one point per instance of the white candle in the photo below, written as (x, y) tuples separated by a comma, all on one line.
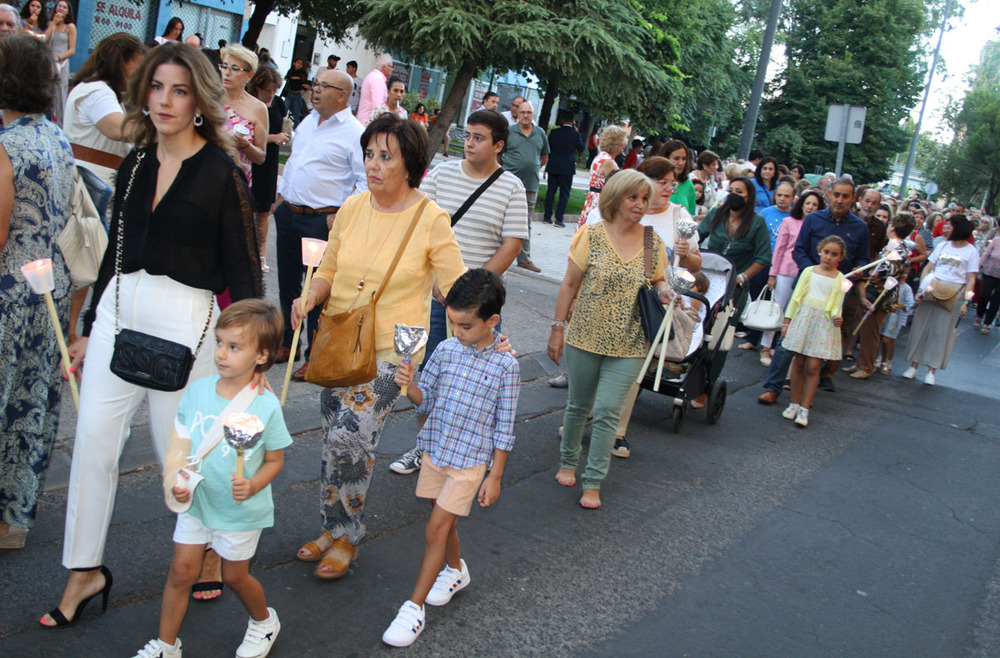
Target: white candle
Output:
[(846, 285), (891, 282), (312, 251), (38, 274)]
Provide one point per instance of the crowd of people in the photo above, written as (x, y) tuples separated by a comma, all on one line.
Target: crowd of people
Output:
[(184, 149)]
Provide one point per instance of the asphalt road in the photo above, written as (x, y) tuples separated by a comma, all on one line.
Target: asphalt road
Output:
[(874, 532)]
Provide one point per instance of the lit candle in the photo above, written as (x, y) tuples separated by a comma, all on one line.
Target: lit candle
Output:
[(38, 274), (312, 256), (312, 251), (846, 285)]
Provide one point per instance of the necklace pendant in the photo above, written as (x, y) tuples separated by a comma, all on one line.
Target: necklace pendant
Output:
[(361, 284)]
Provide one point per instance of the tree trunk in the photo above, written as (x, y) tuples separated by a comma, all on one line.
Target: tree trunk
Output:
[(551, 91), (256, 23), (993, 189), (449, 110)]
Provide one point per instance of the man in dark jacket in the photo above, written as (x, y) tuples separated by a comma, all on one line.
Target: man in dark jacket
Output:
[(564, 143)]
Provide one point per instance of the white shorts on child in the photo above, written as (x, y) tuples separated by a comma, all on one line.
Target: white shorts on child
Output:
[(232, 545)]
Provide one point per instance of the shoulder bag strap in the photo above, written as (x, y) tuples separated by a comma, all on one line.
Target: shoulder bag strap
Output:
[(140, 154), (238, 404), (399, 252), (475, 195), (647, 252)]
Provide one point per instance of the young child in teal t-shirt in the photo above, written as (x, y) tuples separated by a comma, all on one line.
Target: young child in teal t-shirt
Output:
[(227, 512)]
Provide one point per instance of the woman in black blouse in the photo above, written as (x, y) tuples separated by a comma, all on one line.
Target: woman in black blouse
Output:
[(188, 234)]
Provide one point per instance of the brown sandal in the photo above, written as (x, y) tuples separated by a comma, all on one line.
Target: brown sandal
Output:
[(337, 560), (313, 551)]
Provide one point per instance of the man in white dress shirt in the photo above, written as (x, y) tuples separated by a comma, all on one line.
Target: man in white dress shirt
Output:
[(325, 167)]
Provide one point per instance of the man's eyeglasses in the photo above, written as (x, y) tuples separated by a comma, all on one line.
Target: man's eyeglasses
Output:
[(234, 69), (326, 86)]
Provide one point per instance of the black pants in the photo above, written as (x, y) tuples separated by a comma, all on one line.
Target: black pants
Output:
[(989, 299), (564, 184), (291, 227)]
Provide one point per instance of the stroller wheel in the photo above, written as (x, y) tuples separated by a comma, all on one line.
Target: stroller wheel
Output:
[(716, 401), (678, 418)]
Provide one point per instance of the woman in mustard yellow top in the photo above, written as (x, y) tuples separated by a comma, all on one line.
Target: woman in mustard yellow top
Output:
[(605, 344), (363, 241)]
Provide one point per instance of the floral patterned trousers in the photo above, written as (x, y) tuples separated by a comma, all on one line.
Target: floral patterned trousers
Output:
[(353, 417)]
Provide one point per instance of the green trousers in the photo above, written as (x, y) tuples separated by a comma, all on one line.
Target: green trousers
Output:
[(599, 383)]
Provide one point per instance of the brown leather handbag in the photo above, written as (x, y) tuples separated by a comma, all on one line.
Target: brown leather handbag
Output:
[(343, 347)]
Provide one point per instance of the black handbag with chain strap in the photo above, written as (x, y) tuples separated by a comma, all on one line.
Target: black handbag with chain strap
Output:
[(139, 358)]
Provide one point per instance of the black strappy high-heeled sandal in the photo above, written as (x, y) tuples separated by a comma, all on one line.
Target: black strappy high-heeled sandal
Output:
[(60, 619)]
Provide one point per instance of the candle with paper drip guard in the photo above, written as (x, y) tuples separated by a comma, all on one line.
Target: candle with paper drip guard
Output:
[(312, 256), (680, 281), (407, 342), (891, 256), (685, 229), (890, 283), (242, 431), (38, 274)]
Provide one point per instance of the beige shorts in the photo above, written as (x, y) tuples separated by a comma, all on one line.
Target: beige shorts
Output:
[(454, 488)]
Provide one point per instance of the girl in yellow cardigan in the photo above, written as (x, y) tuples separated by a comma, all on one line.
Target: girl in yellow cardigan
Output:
[(811, 328)]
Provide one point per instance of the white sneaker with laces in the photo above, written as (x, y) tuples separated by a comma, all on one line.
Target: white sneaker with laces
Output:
[(929, 379), (409, 463), (260, 636), (406, 627), (448, 582), (790, 411), (157, 648), (910, 373), (802, 417)]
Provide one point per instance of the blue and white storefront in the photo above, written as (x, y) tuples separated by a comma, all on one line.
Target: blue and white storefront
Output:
[(213, 19)]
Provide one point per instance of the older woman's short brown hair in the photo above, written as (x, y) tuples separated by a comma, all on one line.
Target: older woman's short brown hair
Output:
[(266, 76), (25, 64), (619, 186), (414, 145), (657, 167)]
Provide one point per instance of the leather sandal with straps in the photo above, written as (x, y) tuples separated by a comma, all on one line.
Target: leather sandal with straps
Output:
[(313, 551), (337, 560)]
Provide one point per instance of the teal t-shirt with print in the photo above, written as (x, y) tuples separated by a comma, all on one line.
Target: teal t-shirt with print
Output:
[(213, 502)]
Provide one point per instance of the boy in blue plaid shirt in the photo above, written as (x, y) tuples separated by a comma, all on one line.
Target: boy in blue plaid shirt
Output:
[(469, 392)]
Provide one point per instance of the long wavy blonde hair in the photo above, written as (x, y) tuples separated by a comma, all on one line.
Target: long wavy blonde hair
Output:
[(205, 85)]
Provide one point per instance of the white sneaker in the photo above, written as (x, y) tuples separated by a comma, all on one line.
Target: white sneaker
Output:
[(910, 373), (929, 379), (790, 411), (157, 648), (406, 627), (802, 417), (260, 636), (448, 582)]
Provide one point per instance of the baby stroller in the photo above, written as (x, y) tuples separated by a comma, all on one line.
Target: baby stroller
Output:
[(710, 344)]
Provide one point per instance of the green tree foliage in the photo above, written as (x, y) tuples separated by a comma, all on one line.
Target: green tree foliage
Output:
[(969, 168), (331, 19), (860, 52), (594, 42)]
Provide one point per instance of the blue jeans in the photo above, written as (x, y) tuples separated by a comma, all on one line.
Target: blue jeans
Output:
[(290, 228), (295, 106), (778, 370)]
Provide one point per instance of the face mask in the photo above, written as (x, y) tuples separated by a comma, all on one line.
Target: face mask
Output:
[(736, 202)]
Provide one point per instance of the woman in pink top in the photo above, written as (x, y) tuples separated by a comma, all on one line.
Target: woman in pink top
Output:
[(783, 268)]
